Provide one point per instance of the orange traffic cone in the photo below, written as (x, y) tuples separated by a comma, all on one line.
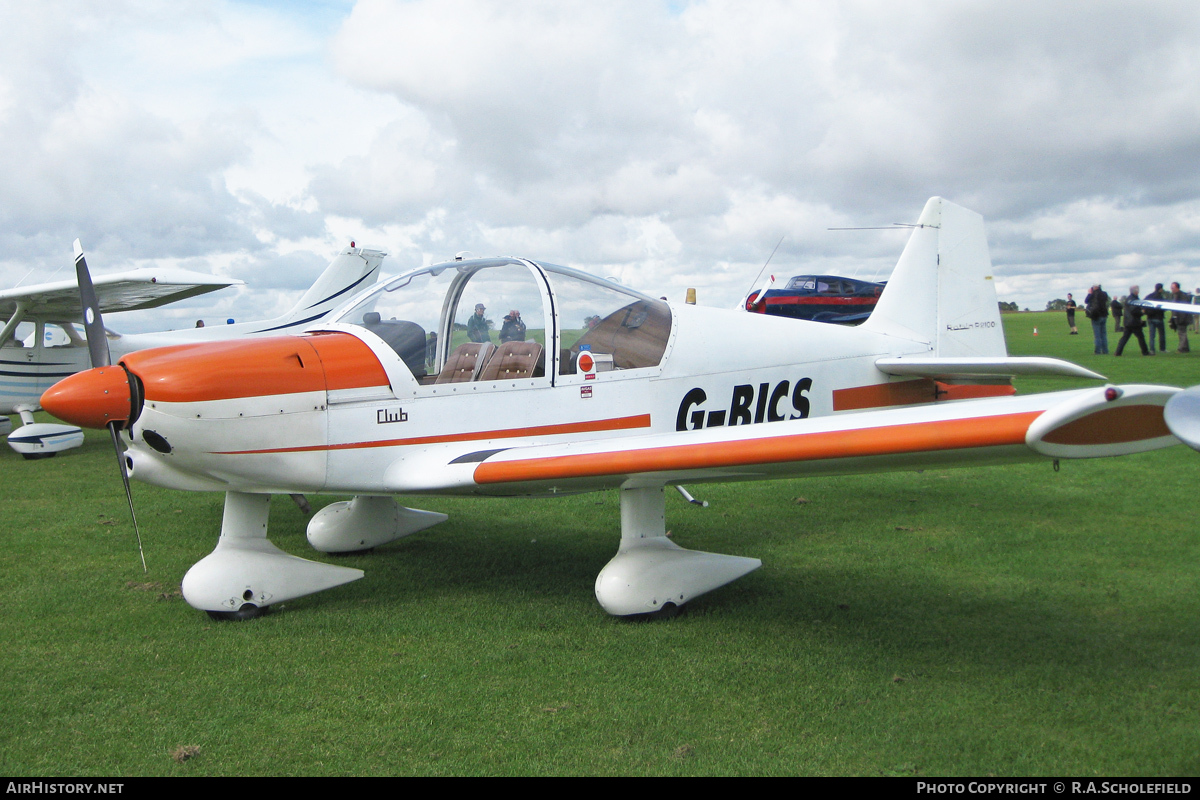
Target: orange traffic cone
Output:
[(1035, 331)]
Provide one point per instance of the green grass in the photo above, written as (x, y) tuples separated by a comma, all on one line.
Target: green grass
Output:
[(1005, 621)]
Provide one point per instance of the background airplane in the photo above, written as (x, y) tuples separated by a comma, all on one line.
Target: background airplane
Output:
[(40, 345), (821, 298), (609, 389), (52, 348)]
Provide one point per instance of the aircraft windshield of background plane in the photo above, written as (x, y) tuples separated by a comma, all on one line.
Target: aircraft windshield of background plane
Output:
[(50, 334), (802, 283), (607, 319), (414, 313), (62, 334)]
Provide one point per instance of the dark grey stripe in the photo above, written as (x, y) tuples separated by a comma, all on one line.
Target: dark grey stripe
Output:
[(292, 324), (343, 291), (477, 456)]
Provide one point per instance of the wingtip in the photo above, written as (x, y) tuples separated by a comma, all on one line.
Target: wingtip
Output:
[(1182, 415), (78, 249)]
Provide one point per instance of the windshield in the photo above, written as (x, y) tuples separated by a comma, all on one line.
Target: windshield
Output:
[(439, 318)]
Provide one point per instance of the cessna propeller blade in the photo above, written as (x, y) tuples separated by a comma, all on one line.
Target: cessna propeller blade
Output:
[(93, 326)]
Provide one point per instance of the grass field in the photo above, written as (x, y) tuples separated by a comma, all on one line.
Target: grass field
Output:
[(1003, 621)]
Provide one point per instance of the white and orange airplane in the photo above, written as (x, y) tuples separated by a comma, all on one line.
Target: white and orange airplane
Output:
[(587, 385)]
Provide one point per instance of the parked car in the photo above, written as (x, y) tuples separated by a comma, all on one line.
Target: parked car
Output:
[(821, 298)]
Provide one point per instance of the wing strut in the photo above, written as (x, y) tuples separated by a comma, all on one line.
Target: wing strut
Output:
[(14, 321)]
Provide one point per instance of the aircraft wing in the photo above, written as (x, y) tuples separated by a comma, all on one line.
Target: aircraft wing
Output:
[(1167, 305), (1084, 423), (131, 290)]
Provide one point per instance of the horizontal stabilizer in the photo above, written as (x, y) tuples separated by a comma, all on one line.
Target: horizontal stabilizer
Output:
[(979, 367)]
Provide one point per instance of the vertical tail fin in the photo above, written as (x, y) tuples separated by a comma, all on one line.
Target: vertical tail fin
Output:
[(353, 269), (941, 292)]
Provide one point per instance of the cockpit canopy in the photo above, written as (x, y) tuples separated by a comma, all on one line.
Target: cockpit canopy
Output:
[(494, 319)]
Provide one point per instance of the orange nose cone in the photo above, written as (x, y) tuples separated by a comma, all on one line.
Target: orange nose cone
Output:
[(90, 399)]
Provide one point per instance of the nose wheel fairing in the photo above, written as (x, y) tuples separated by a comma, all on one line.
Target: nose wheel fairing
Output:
[(366, 522), (245, 569)]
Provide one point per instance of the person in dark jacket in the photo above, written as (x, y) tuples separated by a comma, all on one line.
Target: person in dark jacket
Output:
[(1181, 322), (1095, 305), (1118, 325), (1071, 314), (1156, 319), (513, 329), (1133, 323), (477, 325)]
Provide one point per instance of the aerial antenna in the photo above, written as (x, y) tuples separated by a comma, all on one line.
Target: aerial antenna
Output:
[(761, 271), (768, 261), (894, 226)]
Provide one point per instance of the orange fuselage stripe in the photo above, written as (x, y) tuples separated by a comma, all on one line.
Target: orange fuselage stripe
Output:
[(994, 431), (616, 424), (921, 390)]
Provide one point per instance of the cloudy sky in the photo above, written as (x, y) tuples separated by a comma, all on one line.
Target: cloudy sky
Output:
[(668, 144)]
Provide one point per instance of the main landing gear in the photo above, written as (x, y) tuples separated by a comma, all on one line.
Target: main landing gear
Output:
[(246, 574), (650, 574)]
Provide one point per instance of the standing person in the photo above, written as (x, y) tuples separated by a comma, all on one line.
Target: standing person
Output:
[(477, 327), (1095, 305), (1133, 323), (1196, 317), (1116, 309), (1071, 314), (1155, 320), (1180, 322)]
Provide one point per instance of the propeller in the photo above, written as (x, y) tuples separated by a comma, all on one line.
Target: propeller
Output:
[(93, 326)]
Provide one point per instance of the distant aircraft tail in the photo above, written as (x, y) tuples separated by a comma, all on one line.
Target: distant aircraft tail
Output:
[(941, 292), (353, 269)]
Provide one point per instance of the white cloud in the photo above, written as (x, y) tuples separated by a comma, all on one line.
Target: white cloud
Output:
[(669, 144)]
